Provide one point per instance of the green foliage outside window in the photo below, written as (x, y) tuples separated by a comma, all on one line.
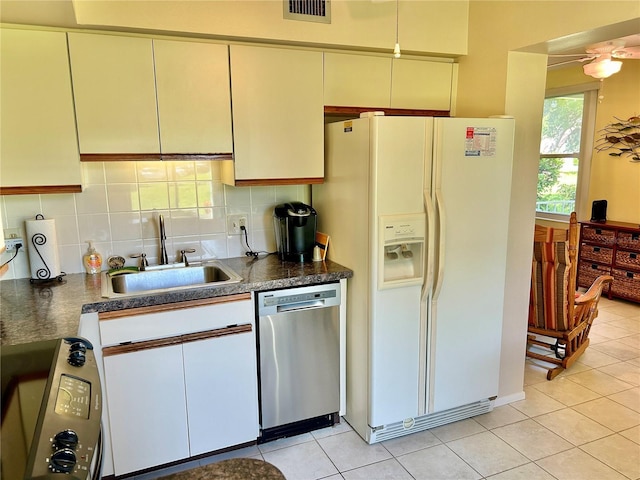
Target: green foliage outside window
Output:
[(561, 135)]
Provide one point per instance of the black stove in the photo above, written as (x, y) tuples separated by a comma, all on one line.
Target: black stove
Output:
[(51, 411)]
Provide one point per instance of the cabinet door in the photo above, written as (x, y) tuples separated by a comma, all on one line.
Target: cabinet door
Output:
[(39, 144), (114, 91), (194, 99), (278, 113), (357, 80), (147, 414), (222, 393), (421, 84)]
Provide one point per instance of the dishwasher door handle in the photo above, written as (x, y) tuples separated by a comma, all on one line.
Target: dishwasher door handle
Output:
[(300, 306)]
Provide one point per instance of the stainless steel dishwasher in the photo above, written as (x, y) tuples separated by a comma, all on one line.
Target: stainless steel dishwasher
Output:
[(299, 356)]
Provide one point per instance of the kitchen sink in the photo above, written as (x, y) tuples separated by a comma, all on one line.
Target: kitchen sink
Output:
[(166, 278)]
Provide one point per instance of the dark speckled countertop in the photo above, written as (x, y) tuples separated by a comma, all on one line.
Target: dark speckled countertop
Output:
[(41, 312)]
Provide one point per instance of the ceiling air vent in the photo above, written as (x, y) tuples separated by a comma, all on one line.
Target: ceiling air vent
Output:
[(308, 10)]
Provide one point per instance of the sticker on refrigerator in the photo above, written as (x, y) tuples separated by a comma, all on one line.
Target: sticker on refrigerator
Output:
[(480, 142), (348, 126)]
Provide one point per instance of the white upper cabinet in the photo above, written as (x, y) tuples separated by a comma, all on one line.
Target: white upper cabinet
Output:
[(114, 90), (352, 80), (39, 144), (143, 96), (278, 116), (194, 100), (356, 80), (421, 84)]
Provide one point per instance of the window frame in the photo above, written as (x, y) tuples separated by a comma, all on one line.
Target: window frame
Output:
[(591, 93)]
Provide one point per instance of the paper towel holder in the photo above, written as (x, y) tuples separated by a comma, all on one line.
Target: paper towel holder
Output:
[(43, 273)]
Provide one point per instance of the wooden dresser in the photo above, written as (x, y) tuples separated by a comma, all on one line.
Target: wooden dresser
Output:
[(611, 248)]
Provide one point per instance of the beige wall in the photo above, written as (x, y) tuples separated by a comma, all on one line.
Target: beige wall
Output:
[(525, 80), (438, 27), (615, 179), (491, 82), (498, 27)]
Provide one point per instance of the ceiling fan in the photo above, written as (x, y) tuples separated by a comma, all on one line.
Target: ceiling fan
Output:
[(601, 58)]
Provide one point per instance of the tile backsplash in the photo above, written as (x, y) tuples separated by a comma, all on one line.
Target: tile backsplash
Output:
[(119, 206)]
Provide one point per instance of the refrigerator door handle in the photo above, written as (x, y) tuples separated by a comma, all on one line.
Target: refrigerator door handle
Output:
[(441, 243), (430, 246)]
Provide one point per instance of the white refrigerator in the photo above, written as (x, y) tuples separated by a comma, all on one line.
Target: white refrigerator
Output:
[(418, 208)]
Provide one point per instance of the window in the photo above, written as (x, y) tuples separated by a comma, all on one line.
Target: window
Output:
[(565, 151)]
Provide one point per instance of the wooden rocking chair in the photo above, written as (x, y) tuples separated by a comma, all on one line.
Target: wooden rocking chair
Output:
[(555, 310)]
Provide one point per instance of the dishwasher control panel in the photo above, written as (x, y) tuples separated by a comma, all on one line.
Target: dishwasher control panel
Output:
[(315, 296), (298, 298)]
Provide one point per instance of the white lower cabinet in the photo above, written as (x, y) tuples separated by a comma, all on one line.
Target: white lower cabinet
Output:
[(180, 382), (220, 377), (148, 415)]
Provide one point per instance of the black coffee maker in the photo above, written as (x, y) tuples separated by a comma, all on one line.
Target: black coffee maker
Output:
[(295, 227)]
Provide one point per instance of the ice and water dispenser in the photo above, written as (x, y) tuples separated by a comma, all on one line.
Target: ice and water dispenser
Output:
[(401, 256)]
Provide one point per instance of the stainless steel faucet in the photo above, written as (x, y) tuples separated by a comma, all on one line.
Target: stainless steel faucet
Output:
[(164, 259), (184, 255), (143, 260)]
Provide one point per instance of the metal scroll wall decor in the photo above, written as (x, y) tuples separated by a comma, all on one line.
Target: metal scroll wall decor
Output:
[(621, 138)]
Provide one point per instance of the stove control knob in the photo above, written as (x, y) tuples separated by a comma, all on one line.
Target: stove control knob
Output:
[(77, 358), (65, 439), (63, 461), (78, 346)]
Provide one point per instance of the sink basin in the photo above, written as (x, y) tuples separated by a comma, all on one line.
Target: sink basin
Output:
[(168, 278)]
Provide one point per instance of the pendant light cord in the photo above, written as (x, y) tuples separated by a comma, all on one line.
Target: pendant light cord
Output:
[(396, 48), (397, 20)]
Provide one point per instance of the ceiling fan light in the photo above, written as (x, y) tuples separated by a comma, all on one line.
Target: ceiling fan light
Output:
[(603, 68)]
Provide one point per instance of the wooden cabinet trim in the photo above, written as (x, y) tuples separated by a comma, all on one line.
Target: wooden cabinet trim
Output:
[(119, 157), (175, 340), (277, 181), (136, 157), (196, 156), (37, 189), (129, 312), (346, 110), (137, 346)]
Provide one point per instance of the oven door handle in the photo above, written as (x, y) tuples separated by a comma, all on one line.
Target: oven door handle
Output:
[(97, 472)]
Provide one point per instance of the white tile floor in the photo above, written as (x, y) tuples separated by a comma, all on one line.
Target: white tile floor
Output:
[(585, 424)]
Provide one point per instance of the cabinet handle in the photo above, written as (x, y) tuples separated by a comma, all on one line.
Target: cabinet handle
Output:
[(633, 255), (596, 249), (175, 340), (218, 332), (629, 275)]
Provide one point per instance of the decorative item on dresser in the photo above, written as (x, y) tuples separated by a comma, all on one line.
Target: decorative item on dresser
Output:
[(611, 248)]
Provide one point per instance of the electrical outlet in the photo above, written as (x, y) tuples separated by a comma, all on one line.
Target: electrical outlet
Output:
[(11, 243), (234, 222)]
